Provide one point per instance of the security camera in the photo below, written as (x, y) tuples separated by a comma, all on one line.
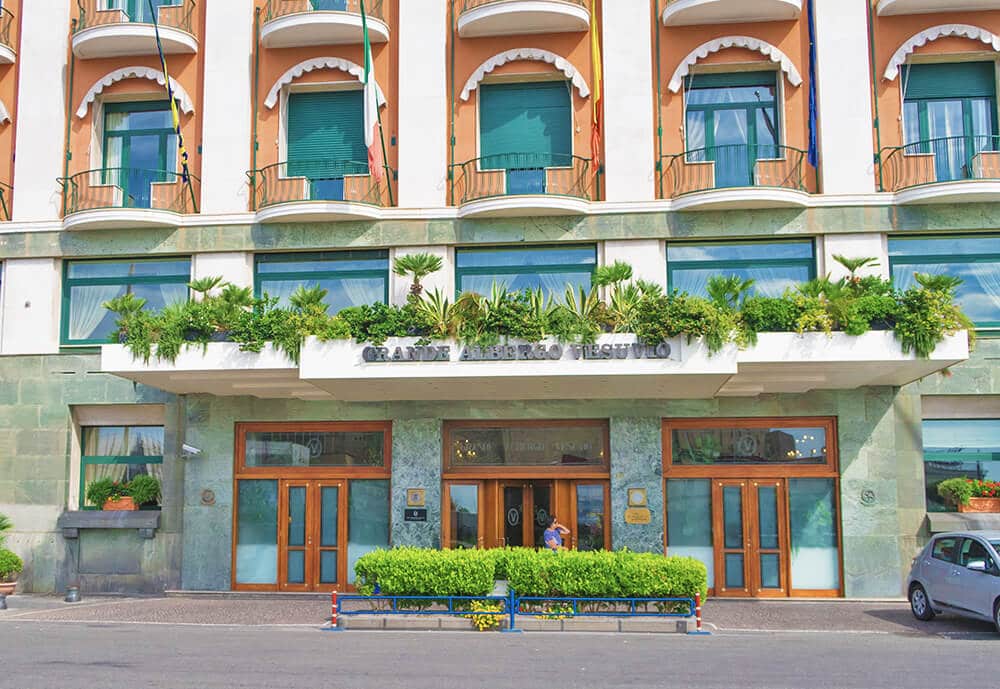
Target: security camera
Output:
[(189, 450)]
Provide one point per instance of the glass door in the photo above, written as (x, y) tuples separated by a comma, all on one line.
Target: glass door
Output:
[(751, 526), (310, 535), (463, 524), (770, 539), (730, 499), (524, 517)]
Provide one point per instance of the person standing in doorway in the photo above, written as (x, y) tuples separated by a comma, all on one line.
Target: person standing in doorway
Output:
[(554, 535)]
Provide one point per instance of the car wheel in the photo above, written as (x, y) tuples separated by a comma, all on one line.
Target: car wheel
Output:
[(920, 604), (996, 614)]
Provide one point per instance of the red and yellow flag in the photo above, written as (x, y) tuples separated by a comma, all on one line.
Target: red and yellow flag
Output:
[(597, 97)]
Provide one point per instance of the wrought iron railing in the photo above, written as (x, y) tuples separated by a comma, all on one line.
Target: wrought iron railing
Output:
[(179, 15), (279, 8), (7, 26), (121, 187), (947, 159), (473, 4), (732, 166), (514, 174), (319, 180), (5, 192)]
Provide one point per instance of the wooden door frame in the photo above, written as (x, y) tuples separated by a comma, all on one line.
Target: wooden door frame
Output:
[(343, 518), (284, 513), (446, 511), (575, 510), (784, 550), (718, 536)]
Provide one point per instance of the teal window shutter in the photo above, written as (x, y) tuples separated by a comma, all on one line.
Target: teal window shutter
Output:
[(950, 80), (326, 137), (525, 126)]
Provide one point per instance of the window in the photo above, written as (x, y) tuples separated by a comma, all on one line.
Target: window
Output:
[(959, 448), (120, 453), (326, 140), (975, 259), (974, 550), (944, 549), (749, 445), (88, 284), (140, 147), (525, 128), (553, 444), (138, 10), (773, 266), (732, 120), (949, 111), (351, 278), (551, 268), (315, 448)]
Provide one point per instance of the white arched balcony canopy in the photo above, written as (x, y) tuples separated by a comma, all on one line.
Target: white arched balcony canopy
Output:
[(932, 34), (537, 54), (180, 95), (318, 63), (717, 44)]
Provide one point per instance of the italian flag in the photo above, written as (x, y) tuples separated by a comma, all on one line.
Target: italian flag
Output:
[(373, 140)]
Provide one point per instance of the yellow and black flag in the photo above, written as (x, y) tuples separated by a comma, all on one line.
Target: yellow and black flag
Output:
[(185, 173)]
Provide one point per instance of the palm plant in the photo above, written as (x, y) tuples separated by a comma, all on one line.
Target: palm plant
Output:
[(938, 283), (728, 292), (204, 285), (614, 274), (5, 526), (439, 313), (417, 266), (125, 305), (853, 265)]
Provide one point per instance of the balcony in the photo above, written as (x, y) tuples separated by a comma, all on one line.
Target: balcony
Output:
[(319, 190), (888, 8), (112, 198), (945, 170), (8, 37), (736, 176), (301, 23), (119, 32), (690, 12), (517, 17), (518, 184)]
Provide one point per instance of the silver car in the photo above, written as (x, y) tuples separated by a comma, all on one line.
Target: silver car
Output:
[(957, 573)]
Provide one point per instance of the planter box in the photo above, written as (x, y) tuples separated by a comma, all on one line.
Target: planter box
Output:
[(125, 504), (7, 588), (980, 505)]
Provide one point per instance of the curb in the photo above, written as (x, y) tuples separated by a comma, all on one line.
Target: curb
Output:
[(527, 624)]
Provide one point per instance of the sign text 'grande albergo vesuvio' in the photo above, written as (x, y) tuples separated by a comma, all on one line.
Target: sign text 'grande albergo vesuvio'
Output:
[(518, 352)]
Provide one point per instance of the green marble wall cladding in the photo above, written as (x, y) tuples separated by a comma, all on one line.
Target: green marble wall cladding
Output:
[(37, 437), (968, 217)]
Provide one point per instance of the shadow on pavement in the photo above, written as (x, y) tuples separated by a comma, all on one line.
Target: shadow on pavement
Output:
[(948, 625)]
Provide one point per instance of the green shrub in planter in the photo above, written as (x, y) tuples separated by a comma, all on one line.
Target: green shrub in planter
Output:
[(10, 566), (956, 491), (104, 489), (144, 489), (421, 572)]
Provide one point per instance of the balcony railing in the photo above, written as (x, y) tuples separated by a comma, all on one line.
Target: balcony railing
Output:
[(947, 159), (473, 4), (514, 174), (121, 187), (177, 16), (5, 192), (733, 166), (280, 8), (347, 181), (7, 24)]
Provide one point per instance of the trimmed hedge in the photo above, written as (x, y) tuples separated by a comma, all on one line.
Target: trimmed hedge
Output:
[(620, 574)]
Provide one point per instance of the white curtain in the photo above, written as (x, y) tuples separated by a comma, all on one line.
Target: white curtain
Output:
[(86, 311), (281, 289), (173, 293), (361, 291), (988, 277), (553, 284)]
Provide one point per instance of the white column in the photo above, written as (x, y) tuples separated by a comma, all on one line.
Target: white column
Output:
[(844, 97), (646, 256), (30, 308), (868, 245), (41, 112), (233, 267), (423, 103), (444, 279), (226, 106), (628, 101)]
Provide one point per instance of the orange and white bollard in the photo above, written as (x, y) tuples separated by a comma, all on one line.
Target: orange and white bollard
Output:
[(698, 631), (334, 627)]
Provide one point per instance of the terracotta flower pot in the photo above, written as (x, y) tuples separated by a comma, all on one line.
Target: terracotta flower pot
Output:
[(7, 588), (123, 504), (980, 505)]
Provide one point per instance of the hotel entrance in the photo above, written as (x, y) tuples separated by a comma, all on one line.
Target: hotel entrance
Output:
[(504, 480)]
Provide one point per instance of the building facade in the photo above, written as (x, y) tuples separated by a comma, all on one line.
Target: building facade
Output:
[(758, 138)]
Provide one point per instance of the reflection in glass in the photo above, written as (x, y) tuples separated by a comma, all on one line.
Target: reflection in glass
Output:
[(774, 266), (542, 494), (464, 516), (590, 510), (368, 521), (770, 574), (296, 566), (767, 516), (513, 520), (959, 448), (528, 446), (297, 516), (732, 503), (315, 448), (328, 567), (257, 532), (351, 278), (551, 269), (813, 523), (749, 446), (689, 522), (329, 508)]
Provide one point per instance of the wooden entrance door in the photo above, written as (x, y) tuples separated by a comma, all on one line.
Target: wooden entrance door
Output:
[(750, 530), (312, 533), (523, 514)]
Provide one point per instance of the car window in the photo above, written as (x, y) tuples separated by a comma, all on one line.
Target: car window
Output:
[(974, 550), (945, 549), (996, 545)]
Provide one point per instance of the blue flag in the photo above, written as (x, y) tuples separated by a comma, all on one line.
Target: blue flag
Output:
[(813, 148)]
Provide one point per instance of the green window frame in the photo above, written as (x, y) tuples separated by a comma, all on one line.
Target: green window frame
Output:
[(526, 125), (131, 462), (974, 459), (330, 269), (749, 259), (138, 10), (578, 263), (965, 256), (136, 276), (135, 181)]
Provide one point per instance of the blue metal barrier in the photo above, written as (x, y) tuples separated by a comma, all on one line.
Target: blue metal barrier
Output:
[(633, 604)]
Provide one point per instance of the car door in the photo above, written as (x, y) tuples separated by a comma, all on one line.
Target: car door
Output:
[(975, 591), (938, 570)]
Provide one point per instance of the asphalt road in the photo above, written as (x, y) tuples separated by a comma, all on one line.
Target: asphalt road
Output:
[(50, 655)]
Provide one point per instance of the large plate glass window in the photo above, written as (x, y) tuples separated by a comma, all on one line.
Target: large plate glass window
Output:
[(120, 453), (773, 266), (959, 448), (949, 112), (326, 141), (549, 268), (749, 445), (292, 448), (351, 278), (974, 259), (551, 444), (140, 149), (732, 120), (87, 285)]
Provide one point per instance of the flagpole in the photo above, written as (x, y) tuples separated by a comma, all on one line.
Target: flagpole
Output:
[(370, 73), (385, 158)]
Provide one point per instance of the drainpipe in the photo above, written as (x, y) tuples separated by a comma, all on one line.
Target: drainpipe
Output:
[(69, 116), (451, 152), (256, 106), (878, 130), (659, 102)]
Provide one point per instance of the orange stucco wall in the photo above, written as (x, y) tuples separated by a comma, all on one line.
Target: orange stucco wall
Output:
[(8, 94), (276, 61), (791, 37), (188, 70)]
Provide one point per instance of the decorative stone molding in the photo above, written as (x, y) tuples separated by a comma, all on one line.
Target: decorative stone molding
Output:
[(146, 522), (537, 54), (180, 95), (717, 44), (932, 34), (318, 63)]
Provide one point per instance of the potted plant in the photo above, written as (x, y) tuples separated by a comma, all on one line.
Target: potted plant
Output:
[(971, 495), (144, 490), (10, 566), (110, 495)]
